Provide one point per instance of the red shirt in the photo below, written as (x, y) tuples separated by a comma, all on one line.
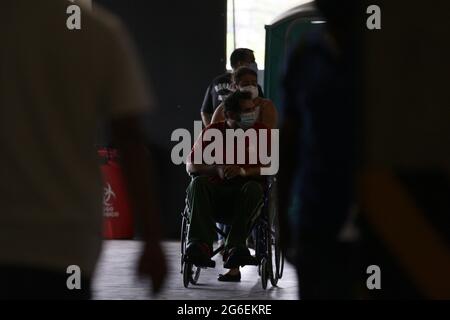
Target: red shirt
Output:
[(249, 145)]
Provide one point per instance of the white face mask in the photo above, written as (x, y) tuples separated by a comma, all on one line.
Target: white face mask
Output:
[(248, 119), (252, 89)]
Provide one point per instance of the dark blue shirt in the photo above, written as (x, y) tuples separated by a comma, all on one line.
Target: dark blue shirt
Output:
[(220, 88)]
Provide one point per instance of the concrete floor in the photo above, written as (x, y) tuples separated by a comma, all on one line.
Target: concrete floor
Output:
[(115, 278)]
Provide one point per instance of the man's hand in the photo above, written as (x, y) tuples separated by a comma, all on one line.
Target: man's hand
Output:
[(220, 172), (152, 263), (231, 171)]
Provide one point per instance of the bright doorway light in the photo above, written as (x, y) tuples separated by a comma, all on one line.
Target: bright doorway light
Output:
[(246, 20)]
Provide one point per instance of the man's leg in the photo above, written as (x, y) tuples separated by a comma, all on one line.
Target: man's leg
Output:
[(248, 201), (200, 199)]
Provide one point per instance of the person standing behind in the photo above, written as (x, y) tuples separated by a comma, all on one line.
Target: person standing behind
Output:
[(222, 86), (246, 79), (56, 85)]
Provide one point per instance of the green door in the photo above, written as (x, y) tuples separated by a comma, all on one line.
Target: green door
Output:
[(284, 33)]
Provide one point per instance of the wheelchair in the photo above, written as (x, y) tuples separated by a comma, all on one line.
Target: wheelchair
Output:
[(266, 234)]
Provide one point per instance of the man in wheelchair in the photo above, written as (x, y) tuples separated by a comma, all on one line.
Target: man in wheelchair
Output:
[(227, 193)]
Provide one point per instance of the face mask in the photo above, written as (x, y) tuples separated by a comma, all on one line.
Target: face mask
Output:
[(248, 119), (252, 89)]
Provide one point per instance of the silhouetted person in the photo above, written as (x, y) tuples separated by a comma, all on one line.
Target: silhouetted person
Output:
[(317, 152), (55, 85)]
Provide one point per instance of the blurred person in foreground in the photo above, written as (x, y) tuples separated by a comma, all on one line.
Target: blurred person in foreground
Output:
[(317, 153), (55, 87)]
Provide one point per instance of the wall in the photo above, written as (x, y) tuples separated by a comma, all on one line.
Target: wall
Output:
[(182, 45)]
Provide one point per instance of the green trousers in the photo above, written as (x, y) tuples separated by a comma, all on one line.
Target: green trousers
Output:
[(235, 203)]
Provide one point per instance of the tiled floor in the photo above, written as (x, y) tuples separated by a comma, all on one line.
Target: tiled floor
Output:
[(115, 279)]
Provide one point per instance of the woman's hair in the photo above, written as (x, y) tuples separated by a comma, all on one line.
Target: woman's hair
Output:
[(241, 72), (232, 102)]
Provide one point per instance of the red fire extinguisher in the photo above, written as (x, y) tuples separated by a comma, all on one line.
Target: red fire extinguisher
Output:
[(118, 219)]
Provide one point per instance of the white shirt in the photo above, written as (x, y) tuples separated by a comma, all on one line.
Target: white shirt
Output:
[(55, 86)]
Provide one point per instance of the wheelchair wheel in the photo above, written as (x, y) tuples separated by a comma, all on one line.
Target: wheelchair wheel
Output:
[(271, 244), (264, 273), (259, 248), (281, 263), (272, 261), (278, 257), (183, 238), (187, 274), (278, 254)]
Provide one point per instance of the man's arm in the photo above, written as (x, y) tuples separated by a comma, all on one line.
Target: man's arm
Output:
[(139, 175), (207, 108), (200, 168), (269, 114), (251, 171)]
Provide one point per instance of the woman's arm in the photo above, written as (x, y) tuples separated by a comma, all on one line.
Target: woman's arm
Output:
[(202, 169), (268, 114), (218, 115), (206, 118)]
